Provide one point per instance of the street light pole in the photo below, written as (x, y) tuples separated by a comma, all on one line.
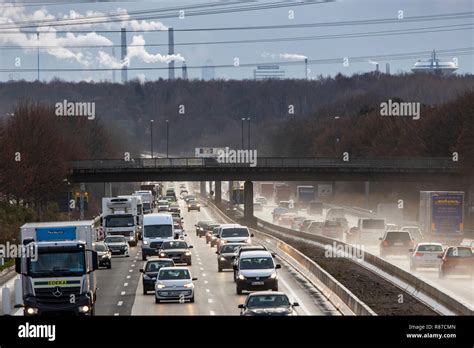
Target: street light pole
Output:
[(151, 137), (243, 119), (167, 138), (248, 120)]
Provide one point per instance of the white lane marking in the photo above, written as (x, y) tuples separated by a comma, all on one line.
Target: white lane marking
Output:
[(210, 300), (120, 303), (122, 293), (212, 313), (128, 277), (131, 271), (202, 269), (133, 265), (207, 290), (295, 298), (116, 314), (200, 263), (204, 274), (125, 284), (205, 282)]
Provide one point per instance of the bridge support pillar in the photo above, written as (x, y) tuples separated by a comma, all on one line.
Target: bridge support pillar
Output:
[(107, 189), (231, 184), (203, 188), (218, 192), (248, 203)]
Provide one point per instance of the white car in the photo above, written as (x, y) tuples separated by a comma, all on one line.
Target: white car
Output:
[(117, 245), (426, 255), (174, 283)]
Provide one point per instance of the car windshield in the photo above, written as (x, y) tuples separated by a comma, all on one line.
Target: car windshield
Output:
[(280, 211), (258, 301), (256, 263), (430, 247), (163, 203), (228, 249), (373, 223), (115, 240), (155, 231), (459, 252), (119, 221), (57, 264), (100, 247), (174, 245), (154, 266), (234, 232), (401, 236), (171, 274)]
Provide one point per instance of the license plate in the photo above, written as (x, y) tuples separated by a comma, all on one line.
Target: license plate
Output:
[(258, 283), (175, 257), (398, 244)]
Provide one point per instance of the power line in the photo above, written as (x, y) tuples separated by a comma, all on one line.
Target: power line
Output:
[(423, 30), (439, 17), (360, 59)]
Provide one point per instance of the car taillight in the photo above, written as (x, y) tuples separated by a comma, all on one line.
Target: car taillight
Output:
[(419, 254), (440, 254), (385, 243)]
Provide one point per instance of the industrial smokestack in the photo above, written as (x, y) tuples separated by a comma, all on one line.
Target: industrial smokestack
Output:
[(170, 52), (113, 70), (306, 68), (377, 67), (184, 69), (124, 54), (387, 68)]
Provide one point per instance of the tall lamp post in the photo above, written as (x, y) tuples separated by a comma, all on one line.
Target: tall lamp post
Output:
[(167, 137), (248, 120), (243, 120), (151, 136)]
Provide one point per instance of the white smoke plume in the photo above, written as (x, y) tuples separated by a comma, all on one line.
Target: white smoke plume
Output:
[(137, 50), (286, 56)]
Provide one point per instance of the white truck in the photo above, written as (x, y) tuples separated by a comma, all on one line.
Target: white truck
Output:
[(147, 200), (368, 231), (120, 216), (58, 276)]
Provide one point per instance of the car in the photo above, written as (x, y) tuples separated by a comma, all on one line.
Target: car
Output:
[(256, 270), (189, 197), (425, 255), (267, 303), (118, 245), (215, 235), (202, 227), (104, 255), (177, 250), (174, 208), (179, 232), (277, 212), (391, 227), (150, 271), (226, 255), (305, 225), (174, 283), (177, 221), (163, 205), (193, 205), (261, 200), (415, 232), (297, 222), (396, 243), (229, 233), (286, 219), (170, 198), (315, 227), (456, 260), (257, 206), (333, 229), (210, 231), (243, 249)]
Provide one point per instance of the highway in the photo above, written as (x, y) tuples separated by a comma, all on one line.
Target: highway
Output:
[(121, 293), (461, 287)]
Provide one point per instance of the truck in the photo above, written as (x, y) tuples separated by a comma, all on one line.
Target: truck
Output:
[(282, 192), (304, 195), (121, 216), (58, 276), (148, 200), (441, 213), (267, 189)]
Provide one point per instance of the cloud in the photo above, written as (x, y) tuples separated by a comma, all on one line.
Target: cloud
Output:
[(137, 50)]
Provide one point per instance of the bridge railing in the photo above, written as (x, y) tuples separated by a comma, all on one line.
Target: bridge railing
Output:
[(380, 162)]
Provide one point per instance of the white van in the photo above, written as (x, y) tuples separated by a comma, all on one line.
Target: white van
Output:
[(157, 228), (371, 229)]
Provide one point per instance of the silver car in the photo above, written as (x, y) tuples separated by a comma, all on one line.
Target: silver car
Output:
[(174, 283), (426, 255)]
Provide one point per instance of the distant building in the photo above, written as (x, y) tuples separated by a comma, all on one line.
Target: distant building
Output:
[(208, 72), (434, 66), (265, 72)]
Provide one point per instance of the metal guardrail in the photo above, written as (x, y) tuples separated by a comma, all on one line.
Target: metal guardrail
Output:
[(316, 162)]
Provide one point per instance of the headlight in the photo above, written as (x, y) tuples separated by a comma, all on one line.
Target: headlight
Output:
[(160, 286), (187, 253), (105, 256), (84, 309), (201, 229), (188, 285), (32, 310), (145, 242), (273, 276), (241, 277), (162, 254), (223, 241), (132, 238), (248, 241), (222, 258)]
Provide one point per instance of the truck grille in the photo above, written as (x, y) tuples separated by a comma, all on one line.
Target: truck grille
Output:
[(62, 294)]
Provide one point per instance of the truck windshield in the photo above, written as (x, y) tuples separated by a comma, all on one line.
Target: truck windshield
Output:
[(235, 232), (146, 206), (119, 221), (56, 264), (155, 231), (373, 223)]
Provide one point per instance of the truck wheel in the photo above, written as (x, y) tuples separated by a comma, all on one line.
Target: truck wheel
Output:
[(143, 257), (92, 313)]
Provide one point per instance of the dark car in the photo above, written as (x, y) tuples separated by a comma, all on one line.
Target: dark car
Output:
[(226, 255), (245, 248), (267, 303), (152, 267), (396, 243), (104, 254), (277, 212), (457, 260), (202, 227), (177, 250), (193, 205), (189, 197)]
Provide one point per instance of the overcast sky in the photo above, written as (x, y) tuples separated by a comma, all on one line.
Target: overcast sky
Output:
[(196, 55)]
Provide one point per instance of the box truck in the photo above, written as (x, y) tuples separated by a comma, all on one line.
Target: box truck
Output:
[(267, 189), (442, 213), (59, 275), (282, 192), (304, 195), (148, 200), (120, 216)]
